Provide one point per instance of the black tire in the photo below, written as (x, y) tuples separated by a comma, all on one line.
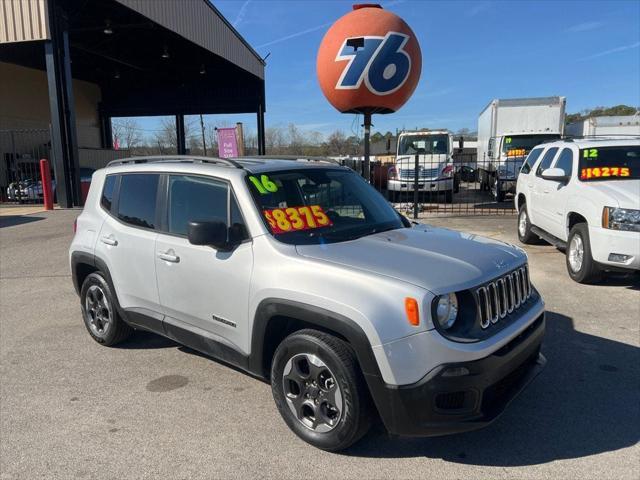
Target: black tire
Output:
[(589, 271), (115, 329), (526, 236), (355, 417), (448, 196)]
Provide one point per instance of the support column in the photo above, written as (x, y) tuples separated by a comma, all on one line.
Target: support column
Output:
[(181, 144), (106, 132), (62, 110), (260, 123)]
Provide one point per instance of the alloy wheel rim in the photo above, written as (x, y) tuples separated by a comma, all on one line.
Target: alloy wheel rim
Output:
[(98, 310), (576, 253), (312, 392), (522, 224)]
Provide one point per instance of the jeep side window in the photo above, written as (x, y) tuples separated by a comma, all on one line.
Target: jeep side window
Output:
[(546, 161), (565, 161), (192, 197), (530, 161), (107, 192), (137, 199)]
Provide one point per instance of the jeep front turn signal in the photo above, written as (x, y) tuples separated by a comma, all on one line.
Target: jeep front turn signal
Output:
[(411, 309)]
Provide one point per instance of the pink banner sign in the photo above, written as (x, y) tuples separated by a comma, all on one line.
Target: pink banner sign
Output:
[(227, 142)]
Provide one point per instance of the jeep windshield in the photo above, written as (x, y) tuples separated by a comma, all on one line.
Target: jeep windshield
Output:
[(424, 145), (524, 143), (320, 205), (609, 163)]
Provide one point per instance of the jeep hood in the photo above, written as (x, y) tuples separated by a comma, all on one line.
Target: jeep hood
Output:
[(437, 259)]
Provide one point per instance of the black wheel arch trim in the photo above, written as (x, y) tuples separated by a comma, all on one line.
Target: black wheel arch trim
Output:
[(78, 258), (313, 315)]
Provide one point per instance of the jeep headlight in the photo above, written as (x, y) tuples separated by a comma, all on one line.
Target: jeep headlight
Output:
[(621, 219), (446, 310)]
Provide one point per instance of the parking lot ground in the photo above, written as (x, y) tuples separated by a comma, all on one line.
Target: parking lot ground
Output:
[(70, 408)]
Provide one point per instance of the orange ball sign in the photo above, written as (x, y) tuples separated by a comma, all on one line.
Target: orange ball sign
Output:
[(369, 61)]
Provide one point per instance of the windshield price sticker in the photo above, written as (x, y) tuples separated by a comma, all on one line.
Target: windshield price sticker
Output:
[(294, 219), (603, 172), (265, 186), (516, 152)]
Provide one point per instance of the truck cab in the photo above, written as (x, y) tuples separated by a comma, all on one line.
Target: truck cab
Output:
[(432, 150), (506, 154)]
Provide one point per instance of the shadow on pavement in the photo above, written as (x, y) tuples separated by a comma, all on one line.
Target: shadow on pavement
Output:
[(141, 340), (13, 220), (584, 403)]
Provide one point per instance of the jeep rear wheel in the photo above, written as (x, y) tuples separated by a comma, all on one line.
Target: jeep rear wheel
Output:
[(99, 312), (319, 390)]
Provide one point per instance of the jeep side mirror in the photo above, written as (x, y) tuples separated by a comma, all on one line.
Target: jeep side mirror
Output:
[(555, 174), (209, 233)]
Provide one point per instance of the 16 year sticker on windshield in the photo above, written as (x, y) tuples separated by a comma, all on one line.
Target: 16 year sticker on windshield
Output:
[(264, 185)]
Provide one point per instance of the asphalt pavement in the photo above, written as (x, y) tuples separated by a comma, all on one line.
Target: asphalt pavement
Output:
[(70, 408)]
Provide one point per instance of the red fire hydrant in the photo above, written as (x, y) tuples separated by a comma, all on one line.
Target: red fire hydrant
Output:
[(45, 177)]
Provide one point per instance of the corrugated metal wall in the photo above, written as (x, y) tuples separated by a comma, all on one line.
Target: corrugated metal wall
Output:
[(196, 21), (23, 20)]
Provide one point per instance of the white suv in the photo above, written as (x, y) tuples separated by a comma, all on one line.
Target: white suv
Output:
[(584, 196), (300, 273)]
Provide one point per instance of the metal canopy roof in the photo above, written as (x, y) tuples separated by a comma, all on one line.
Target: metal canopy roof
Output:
[(201, 23), (160, 57)]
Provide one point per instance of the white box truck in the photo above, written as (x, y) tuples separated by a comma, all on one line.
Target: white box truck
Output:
[(507, 131), (613, 126)]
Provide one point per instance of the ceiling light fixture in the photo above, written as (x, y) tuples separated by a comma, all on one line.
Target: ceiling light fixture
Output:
[(165, 53), (107, 28), (116, 75), (202, 70)]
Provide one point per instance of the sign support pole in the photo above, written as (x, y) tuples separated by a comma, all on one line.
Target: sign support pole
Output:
[(367, 134)]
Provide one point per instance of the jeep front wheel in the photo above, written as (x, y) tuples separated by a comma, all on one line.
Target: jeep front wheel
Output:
[(319, 390)]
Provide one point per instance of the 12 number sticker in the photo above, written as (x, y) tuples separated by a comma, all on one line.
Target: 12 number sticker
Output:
[(292, 219)]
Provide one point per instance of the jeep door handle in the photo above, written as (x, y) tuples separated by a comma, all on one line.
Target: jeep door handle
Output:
[(169, 256), (109, 240)]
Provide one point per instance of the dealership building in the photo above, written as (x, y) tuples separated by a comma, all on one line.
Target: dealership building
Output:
[(68, 67)]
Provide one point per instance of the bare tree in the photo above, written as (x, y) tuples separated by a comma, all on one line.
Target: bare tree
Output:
[(126, 132)]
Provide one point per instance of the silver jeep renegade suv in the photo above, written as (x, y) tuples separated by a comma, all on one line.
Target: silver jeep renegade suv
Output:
[(299, 272)]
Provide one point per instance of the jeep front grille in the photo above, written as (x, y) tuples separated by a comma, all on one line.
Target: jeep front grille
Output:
[(502, 296)]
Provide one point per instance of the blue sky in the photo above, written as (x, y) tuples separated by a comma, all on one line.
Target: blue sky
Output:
[(473, 51)]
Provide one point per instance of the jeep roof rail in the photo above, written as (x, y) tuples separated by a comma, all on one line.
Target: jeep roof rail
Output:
[(174, 159), (299, 158)]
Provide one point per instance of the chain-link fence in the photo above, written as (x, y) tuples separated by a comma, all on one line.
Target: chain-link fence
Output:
[(445, 187)]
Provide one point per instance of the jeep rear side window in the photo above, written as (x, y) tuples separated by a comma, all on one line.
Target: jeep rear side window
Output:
[(107, 192), (137, 199), (530, 161), (546, 160)]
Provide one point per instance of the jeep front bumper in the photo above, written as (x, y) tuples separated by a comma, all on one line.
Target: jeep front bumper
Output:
[(459, 397)]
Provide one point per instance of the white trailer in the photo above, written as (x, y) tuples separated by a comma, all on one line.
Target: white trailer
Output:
[(614, 126), (507, 131)]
